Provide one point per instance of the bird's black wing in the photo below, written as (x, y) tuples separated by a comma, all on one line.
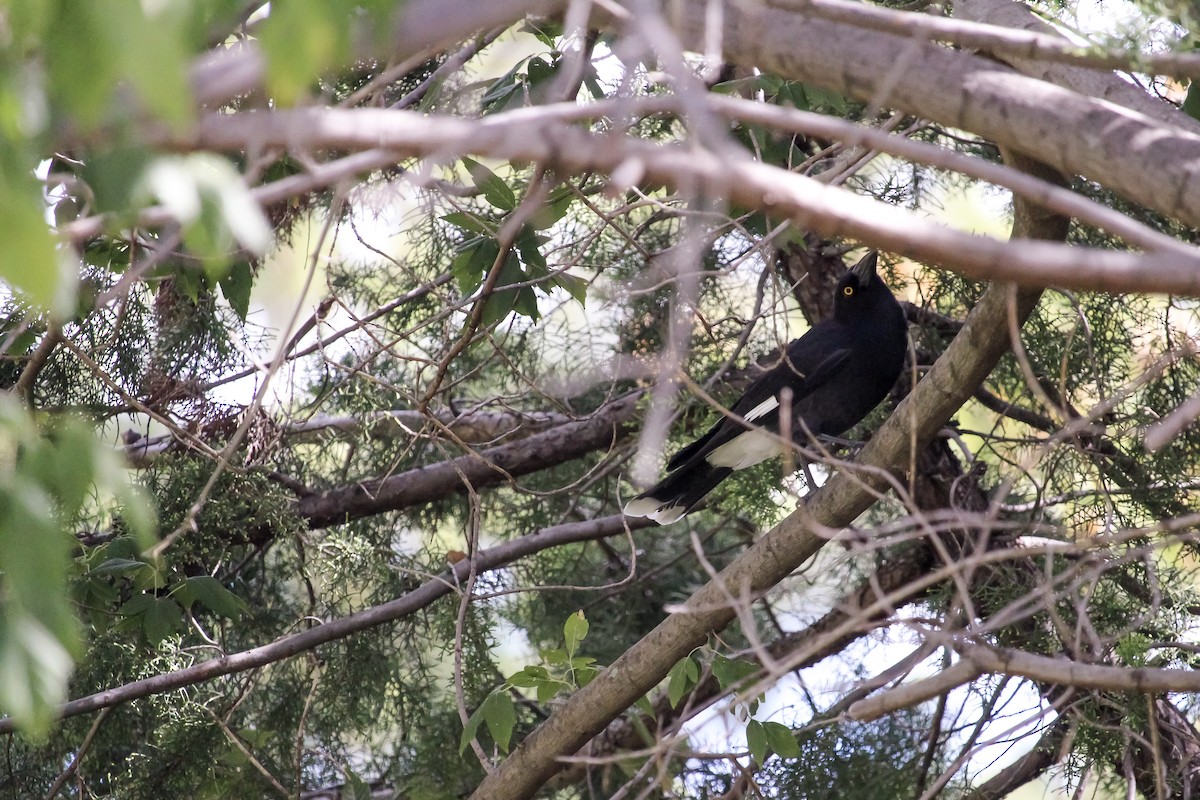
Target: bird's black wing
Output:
[(760, 403)]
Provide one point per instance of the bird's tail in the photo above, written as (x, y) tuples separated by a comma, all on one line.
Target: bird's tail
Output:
[(678, 493)]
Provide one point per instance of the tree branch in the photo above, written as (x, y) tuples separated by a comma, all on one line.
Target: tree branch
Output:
[(477, 426), (535, 135), (288, 646), (1067, 672), (1019, 21), (487, 468), (1152, 163)]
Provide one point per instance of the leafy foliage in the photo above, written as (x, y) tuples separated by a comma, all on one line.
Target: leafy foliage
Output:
[(467, 310)]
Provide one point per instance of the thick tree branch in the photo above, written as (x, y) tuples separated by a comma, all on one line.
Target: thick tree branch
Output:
[(1152, 163), (1020, 21), (1010, 37), (1067, 672), (535, 136), (486, 468), (423, 26)]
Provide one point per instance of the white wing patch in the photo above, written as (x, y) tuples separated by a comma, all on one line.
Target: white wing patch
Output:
[(667, 515), (746, 449), (642, 507), (763, 408), (653, 508)]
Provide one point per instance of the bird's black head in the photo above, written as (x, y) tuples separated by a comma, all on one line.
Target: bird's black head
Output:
[(861, 291)]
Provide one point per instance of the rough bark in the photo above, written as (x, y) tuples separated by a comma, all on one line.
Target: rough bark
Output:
[(486, 468), (1095, 83), (1147, 160)]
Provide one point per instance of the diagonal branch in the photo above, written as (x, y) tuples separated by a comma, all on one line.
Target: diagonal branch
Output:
[(288, 646), (486, 468)]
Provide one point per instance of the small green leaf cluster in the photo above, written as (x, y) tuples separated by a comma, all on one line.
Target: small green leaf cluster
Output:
[(520, 267), (562, 670), (531, 79)]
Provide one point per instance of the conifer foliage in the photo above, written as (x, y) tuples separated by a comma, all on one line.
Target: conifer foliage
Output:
[(334, 337)]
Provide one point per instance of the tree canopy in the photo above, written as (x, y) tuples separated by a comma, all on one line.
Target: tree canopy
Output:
[(336, 335)]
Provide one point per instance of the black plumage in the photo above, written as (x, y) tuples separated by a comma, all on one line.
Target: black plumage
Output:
[(837, 372)]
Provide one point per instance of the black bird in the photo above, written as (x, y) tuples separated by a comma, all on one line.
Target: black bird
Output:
[(837, 372)]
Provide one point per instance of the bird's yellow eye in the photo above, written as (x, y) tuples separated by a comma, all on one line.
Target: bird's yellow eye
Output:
[(848, 291)]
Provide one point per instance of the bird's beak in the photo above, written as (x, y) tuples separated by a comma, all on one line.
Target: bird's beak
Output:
[(865, 269)]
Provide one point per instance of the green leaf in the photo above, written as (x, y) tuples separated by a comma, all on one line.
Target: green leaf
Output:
[(681, 677), (553, 209), (529, 244), (113, 176), (89, 49), (550, 688), (825, 100), (28, 260), (118, 566), (494, 190), (781, 740), (162, 618), (575, 630), (236, 287), (82, 61), (355, 787), (473, 261), (756, 741), (63, 464), (574, 286), (210, 593), (302, 39), (730, 672), (541, 70), (530, 676), (592, 84), (469, 223), (741, 86), (503, 90), (157, 617), (502, 301), (546, 31), (157, 66), (554, 656), (470, 729), (137, 512), (793, 94), (501, 717), (34, 669), (584, 675)]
